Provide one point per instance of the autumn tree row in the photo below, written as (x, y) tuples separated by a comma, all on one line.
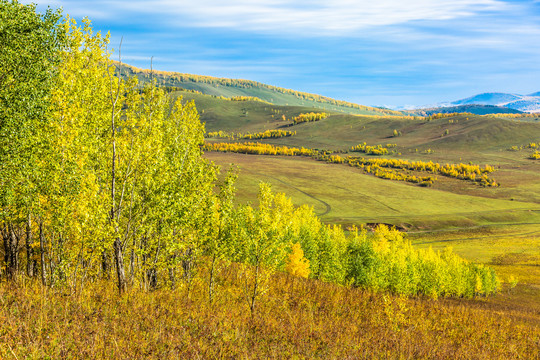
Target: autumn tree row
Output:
[(377, 167), (373, 150), (267, 134)]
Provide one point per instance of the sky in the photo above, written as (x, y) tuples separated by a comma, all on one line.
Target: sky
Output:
[(391, 53)]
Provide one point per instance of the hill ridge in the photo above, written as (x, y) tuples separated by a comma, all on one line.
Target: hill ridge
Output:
[(186, 81)]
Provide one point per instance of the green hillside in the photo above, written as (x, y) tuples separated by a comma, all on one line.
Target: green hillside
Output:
[(341, 194), (237, 87), (241, 116), (466, 132), (459, 138)]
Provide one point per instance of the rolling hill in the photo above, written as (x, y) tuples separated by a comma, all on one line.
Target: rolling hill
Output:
[(486, 103), (236, 87)]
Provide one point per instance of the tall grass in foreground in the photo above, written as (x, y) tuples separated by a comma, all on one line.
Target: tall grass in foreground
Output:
[(299, 318)]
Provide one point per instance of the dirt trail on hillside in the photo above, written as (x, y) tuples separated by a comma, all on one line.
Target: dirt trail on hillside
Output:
[(328, 207), (369, 197)]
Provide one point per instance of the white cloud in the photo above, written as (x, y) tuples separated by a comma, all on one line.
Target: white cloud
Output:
[(319, 17), (302, 17)]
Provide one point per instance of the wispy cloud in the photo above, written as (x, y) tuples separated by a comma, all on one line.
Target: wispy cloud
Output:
[(338, 17), (391, 50), (303, 17)]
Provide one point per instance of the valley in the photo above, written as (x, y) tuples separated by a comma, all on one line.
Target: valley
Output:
[(482, 224)]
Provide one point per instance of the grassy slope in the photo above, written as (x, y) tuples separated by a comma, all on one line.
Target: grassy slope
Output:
[(219, 114), (471, 134), (238, 87), (343, 194), (467, 133), (476, 139), (296, 318)]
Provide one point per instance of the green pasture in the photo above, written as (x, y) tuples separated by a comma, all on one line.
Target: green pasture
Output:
[(240, 116), (496, 226), (467, 134), (342, 194)]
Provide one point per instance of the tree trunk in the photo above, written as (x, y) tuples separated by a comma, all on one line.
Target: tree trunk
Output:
[(172, 272), (187, 264), (30, 261), (211, 279), (42, 253), (151, 275), (11, 245), (105, 268), (132, 264), (119, 262), (144, 262), (255, 290)]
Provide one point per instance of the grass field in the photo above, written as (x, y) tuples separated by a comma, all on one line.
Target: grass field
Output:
[(496, 226), (343, 194), (296, 319)]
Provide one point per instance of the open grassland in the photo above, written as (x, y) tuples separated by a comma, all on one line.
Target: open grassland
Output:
[(513, 250), (343, 194), (462, 138), (467, 134), (241, 116), (296, 318), (499, 226)]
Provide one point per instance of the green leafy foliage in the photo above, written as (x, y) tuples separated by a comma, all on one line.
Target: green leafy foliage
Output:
[(388, 261), (28, 59)]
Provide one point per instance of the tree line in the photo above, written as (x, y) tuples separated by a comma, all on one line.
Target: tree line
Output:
[(373, 150), (267, 134), (382, 168)]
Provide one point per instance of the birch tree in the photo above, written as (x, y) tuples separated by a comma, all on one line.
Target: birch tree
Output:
[(28, 55)]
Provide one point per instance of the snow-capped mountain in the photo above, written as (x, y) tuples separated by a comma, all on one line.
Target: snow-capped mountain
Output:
[(526, 103)]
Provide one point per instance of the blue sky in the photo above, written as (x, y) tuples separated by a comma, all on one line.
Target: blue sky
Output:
[(386, 52)]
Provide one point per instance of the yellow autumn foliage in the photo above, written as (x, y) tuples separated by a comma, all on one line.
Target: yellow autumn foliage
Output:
[(298, 265)]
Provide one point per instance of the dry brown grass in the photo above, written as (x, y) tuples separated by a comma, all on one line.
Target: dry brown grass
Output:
[(297, 318)]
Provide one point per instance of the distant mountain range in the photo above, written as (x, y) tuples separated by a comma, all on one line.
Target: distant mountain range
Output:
[(525, 103), (468, 108)]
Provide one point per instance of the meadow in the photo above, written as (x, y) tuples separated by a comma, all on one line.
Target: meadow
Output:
[(496, 226), (124, 239), (299, 318)]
